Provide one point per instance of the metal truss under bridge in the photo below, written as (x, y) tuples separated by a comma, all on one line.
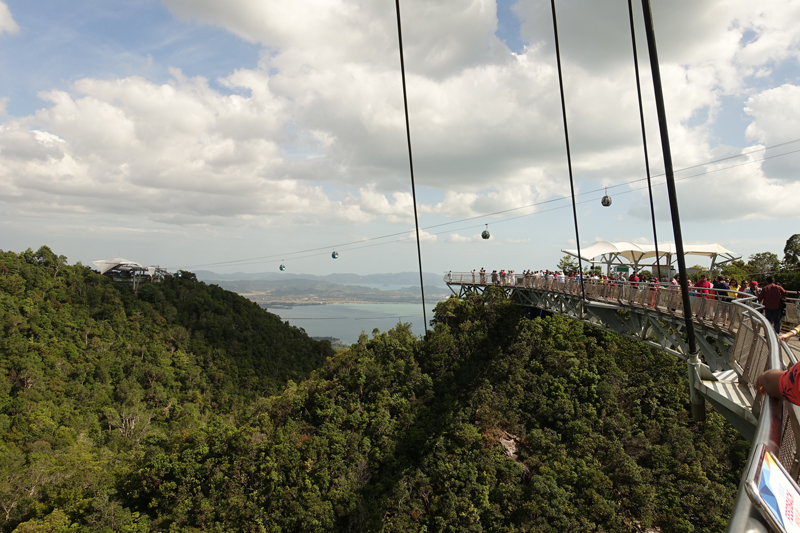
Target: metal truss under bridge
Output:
[(736, 344)]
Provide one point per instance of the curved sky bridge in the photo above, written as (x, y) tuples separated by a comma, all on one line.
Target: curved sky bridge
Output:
[(735, 343)]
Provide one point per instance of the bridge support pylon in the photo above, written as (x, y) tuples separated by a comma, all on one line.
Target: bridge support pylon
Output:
[(696, 399)]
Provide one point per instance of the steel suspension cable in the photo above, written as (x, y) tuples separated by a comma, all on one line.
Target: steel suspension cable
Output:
[(698, 406), (411, 162), (644, 134), (566, 139)]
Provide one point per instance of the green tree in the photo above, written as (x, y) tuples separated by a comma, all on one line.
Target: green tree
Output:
[(695, 272), (735, 269), (186, 407), (763, 264), (567, 264), (791, 252)]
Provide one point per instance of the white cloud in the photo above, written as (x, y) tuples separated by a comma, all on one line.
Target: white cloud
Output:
[(424, 236), (399, 211), (7, 23), (175, 149), (480, 116), (743, 192), (511, 199), (457, 238), (776, 115), (314, 135)]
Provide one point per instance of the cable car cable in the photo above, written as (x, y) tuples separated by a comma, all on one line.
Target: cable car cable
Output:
[(257, 261), (552, 200)]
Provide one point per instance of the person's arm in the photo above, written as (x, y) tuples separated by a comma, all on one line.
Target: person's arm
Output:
[(769, 383), (789, 334)]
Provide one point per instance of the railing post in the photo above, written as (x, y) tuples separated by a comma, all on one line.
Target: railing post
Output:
[(696, 399)]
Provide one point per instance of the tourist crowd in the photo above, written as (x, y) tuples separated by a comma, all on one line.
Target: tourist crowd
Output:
[(723, 288)]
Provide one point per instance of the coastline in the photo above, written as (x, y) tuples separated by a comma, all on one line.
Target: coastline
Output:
[(290, 304)]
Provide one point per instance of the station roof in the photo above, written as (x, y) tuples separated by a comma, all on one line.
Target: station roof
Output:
[(608, 252), (104, 265)]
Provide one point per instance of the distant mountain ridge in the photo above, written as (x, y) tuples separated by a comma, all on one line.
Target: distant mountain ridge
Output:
[(299, 290), (409, 279)]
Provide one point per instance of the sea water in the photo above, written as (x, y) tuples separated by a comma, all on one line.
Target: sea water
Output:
[(347, 321)]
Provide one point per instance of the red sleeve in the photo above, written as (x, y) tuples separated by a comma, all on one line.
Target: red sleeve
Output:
[(789, 384)]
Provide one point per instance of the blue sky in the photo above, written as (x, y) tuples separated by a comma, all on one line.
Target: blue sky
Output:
[(188, 134), (60, 42)]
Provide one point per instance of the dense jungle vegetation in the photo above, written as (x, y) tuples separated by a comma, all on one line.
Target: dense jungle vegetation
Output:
[(188, 408)]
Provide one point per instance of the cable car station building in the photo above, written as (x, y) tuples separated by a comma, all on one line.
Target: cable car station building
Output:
[(125, 271)]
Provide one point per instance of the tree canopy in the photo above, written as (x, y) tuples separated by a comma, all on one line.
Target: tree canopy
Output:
[(791, 252), (187, 408)]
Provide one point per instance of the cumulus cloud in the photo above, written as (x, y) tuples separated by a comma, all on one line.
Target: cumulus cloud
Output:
[(315, 133), (180, 151), (127, 143), (7, 23), (372, 202), (481, 116), (726, 192), (776, 114), (762, 183)]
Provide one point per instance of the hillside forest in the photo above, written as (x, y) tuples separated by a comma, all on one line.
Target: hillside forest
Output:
[(185, 407)]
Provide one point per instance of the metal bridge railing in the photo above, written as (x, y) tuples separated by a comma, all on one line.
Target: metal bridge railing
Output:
[(711, 305), (755, 349)]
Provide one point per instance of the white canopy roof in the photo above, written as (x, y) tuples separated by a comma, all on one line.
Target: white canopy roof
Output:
[(619, 252), (108, 264)]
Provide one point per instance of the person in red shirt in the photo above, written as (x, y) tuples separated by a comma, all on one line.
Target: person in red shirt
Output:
[(782, 384), (772, 296), (703, 285), (634, 279)]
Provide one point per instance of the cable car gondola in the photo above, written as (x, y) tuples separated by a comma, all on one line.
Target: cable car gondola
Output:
[(606, 201), (283, 266), (335, 254), (485, 233)]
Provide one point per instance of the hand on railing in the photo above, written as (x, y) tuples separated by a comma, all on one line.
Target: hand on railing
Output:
[(769, 383)]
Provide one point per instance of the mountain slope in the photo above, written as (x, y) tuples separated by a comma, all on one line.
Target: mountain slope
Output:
[(188, 408), (494, 423), (92, 376)]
